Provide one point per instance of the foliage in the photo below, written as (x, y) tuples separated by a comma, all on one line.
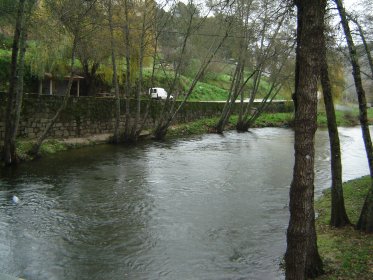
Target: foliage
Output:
[(5, 42), (347, 253), (4, 69)]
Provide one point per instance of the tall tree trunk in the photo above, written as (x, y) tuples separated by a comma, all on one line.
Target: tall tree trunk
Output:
[(365, 222), (339, 216), (128, 73), (21, 70), (116, 136), (11, 118), (136, 129), (301, 255), (226, 112), (35, 151)]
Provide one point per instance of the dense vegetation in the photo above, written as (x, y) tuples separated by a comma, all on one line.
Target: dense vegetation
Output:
[(213, 87)]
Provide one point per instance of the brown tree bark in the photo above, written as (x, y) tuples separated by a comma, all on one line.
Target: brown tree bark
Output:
[(301, 256), (116, 135), (339, 216), (128, 87), (365, 222), (12, 109)]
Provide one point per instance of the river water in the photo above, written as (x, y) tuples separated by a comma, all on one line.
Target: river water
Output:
[(208, 207)]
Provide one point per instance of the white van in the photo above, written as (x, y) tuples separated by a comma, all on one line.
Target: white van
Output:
[(158, 93)]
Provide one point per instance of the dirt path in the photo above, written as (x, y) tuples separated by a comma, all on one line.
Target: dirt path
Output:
[(93, 139)]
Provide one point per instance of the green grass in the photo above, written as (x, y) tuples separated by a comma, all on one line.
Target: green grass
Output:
[(5, 53), (275, 120), (193, 128), (207, 92), (214, 86), (51, 146), (347, 253), (344, 118)]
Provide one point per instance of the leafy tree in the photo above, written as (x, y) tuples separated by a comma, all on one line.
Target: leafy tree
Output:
[(72, 15)]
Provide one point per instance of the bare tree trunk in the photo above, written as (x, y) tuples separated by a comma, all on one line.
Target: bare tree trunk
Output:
[(366, 47), (244, 122), (21, 70), (135, 129), (128, 73), (365, 222), (225, 114), (339, 216), (40, 86), (162, 128), (35, 151), (12, 112), (116, 135), (301, 250)]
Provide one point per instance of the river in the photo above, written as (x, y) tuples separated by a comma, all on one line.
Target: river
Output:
[(207, 207)]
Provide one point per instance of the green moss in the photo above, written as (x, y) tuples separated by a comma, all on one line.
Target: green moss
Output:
[(51, 146), (347, 253)]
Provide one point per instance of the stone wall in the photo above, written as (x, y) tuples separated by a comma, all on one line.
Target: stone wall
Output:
[(85, 116)]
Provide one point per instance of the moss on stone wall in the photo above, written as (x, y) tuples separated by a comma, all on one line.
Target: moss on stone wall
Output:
[(86, 116)]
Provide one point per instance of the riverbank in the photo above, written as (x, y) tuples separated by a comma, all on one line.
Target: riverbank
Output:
[(205, 125), (347, 253)]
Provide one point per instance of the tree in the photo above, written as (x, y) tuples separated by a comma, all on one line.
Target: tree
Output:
[(193, 23), (365, 222), (339, 216), (263, 49), (270, 23), (301, 256), (15, 93), (116, 136), (365, 44), (72, 15), (245, 27)]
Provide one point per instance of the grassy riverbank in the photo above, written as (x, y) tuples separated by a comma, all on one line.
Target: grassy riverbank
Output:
[(344, 118), (347, 253)]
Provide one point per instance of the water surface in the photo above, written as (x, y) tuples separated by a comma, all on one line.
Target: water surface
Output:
[(208, 207)]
